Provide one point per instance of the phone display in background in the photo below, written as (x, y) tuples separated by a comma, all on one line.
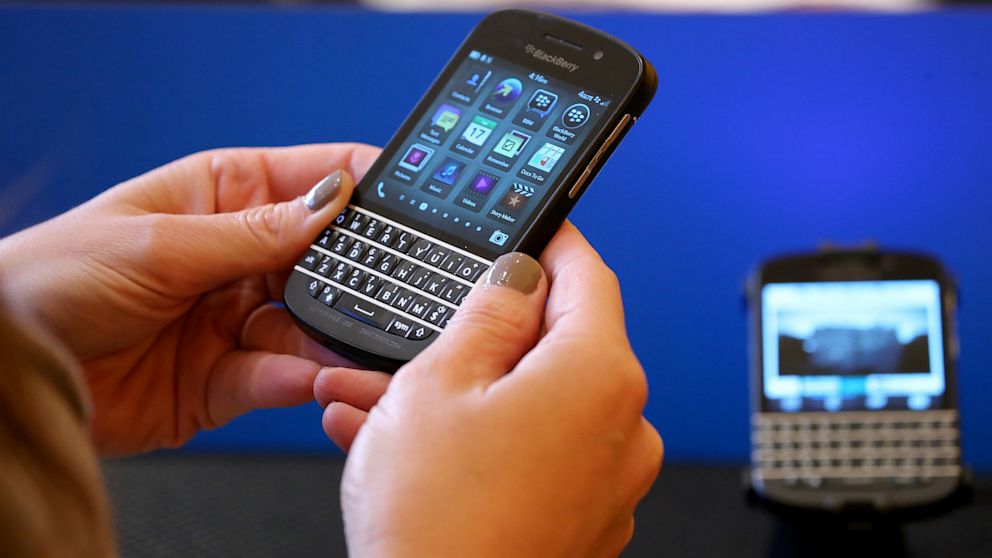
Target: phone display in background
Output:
[(486, 154), (852, 345)]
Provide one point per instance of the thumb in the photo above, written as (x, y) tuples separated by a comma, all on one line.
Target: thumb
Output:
[(498, 323), (223, 247)]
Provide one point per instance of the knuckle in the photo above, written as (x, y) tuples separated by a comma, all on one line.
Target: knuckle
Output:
[(610, 277), (491, 317), (265, 223), (654, 446), (627, 383), (235, 173), (635, 383), (591, 266)]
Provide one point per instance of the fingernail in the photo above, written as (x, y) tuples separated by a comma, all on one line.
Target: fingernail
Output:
[(322, 192), (515, 270)]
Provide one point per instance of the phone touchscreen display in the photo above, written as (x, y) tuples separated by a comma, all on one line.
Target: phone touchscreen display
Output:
[(852, 346), (486, 154)]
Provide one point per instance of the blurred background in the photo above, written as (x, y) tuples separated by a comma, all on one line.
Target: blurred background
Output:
[(777, 126)]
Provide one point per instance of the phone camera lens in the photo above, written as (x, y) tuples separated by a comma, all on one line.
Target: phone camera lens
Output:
[(598, 55)]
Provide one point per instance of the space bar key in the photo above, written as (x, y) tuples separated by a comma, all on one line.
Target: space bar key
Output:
[(364, 311)]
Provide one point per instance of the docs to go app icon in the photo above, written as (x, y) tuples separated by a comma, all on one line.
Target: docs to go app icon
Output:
[(499, 238)]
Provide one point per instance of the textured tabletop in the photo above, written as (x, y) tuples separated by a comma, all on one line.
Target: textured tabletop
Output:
[(247, 506)]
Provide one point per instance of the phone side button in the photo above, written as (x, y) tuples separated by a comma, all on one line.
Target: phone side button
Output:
[(617, 131), (363, 311), (577, 187)]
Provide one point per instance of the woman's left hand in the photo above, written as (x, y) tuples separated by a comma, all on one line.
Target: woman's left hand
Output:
[(161, 287)]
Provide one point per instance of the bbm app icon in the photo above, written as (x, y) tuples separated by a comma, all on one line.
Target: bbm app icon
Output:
[(541, 102)]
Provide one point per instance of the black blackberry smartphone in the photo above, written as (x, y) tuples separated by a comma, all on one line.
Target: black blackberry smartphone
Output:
[(490, 161), (854, 405)]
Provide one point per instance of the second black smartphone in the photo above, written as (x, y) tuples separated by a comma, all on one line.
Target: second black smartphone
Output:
[(854, 359), (490, 161)]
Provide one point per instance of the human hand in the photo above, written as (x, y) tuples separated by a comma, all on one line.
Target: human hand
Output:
[(161, 287), (503, 438)]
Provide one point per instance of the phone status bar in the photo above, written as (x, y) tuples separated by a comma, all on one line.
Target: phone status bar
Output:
[(481, 57)]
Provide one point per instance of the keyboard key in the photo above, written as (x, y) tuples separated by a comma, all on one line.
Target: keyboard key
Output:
[(388, 236), (436, 284), (419, 277), (400, 326), (404, 241), (470, 270), (420, 249), (310, 259), (371, 285), (403, 298), (388, 293), (371, 256), (386, 264), (420, 332), (327, 239), (364, 311), (328, 295), (356, 250), (340, 273), (341, 245), (314, 287), (439, 314), (404, 271), (355, 278), (435, 256), (454, 292), (372, 229), (451, 263), (419, 307), (357, 222), (342, 217), (325, 265)]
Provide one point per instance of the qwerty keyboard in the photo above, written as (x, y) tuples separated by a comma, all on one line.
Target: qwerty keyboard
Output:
[(387, 275), (857, 447)]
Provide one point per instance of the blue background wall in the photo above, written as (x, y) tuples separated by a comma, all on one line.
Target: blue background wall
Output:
[(769, 133)]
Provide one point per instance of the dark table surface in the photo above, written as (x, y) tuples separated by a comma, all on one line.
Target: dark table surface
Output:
[(184, 505)]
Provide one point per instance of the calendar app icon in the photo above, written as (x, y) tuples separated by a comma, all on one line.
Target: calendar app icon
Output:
[(478, 131)]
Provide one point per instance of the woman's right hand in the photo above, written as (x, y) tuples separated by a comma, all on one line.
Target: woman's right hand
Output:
[(518, 433)]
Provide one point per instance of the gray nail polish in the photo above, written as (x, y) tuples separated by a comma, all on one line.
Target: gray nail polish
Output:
[(324, 191), (517, 271)]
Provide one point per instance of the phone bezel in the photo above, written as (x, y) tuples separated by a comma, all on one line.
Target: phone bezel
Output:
[(852, 265), (621, 74)]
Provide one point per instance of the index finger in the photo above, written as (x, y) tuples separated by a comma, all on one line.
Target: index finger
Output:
[(294, 170), (231, 179)]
